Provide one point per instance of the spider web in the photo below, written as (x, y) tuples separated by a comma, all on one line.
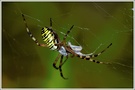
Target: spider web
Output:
[(96, 26)]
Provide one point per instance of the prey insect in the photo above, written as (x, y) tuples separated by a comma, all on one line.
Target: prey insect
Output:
[(52, 41)]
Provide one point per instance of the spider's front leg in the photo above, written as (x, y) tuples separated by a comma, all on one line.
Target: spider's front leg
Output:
[(89, 57), (56, 60), (60, 67)]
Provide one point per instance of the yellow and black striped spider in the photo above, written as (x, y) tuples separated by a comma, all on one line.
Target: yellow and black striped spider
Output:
[(65, 49)]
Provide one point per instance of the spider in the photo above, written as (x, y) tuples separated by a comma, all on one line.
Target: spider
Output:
[(64, 48)]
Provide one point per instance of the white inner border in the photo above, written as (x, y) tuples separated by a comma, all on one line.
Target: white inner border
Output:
[(73, 0), (64, 1)]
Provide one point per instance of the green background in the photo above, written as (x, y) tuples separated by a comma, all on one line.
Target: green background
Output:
[(26, 65)]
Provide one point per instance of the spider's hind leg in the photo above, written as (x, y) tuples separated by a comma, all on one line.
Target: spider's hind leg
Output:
[(31, 35)]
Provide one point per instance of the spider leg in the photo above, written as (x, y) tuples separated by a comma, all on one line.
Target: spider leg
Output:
[(67, 33), (60, 69), (96, 55), (89, 57), (56, 60), (64, 61), (92, 60), (31, 35), (60, 65), (50, 22)]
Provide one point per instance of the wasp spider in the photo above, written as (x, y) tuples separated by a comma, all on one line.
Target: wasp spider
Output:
[(64, 48)]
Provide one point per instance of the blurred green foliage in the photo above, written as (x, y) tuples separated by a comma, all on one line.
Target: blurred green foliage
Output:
[(26, 65)]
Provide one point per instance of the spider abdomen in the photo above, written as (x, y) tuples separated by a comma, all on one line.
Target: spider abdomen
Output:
[(48, 38)]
